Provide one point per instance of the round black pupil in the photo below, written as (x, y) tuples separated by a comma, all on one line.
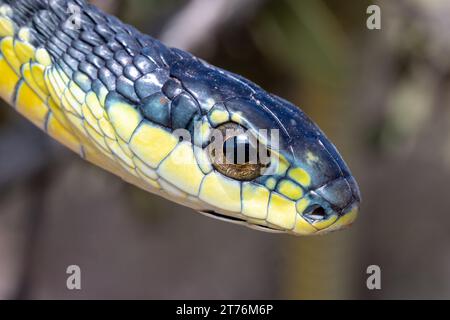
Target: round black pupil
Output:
[(237, 150)]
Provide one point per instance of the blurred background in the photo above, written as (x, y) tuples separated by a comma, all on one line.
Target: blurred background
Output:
[(382, 96)]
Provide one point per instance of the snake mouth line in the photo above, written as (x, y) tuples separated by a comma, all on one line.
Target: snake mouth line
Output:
[(237, 220), (219, 216)]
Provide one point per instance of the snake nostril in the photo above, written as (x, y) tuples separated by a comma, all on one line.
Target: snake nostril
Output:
[(319, 212), (315, 212)]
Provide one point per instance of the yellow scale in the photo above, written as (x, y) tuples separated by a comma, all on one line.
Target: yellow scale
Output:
[(121, 142), (38, 91)]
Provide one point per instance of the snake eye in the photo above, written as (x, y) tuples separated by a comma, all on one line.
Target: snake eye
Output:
[(237, 154)]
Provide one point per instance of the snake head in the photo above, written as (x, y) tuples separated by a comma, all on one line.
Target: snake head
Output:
[(264, 163), (121, 99)]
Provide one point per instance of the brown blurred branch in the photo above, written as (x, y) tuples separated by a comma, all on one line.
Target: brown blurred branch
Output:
[(22, 153)]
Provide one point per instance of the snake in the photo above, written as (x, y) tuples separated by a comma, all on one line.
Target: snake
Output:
[(169, 122)]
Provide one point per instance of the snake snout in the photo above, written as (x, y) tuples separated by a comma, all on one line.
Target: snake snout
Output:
[(333, 206), (341, 194)]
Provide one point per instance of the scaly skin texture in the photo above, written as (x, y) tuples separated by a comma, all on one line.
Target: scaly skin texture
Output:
[(115, 96)]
